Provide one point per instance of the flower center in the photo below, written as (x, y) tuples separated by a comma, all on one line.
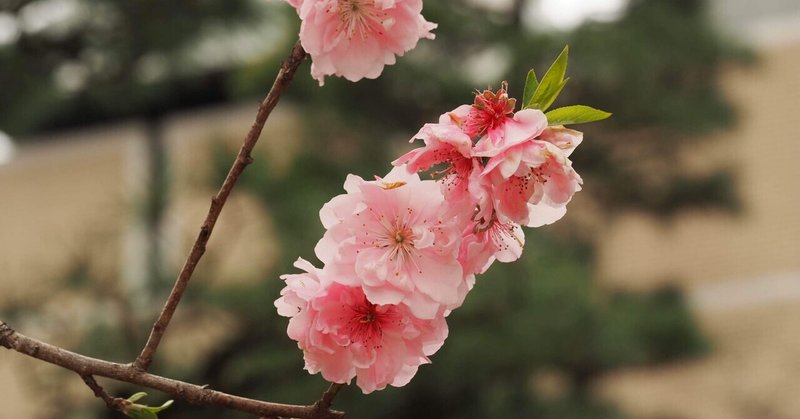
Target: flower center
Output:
[(369, 317), (365, 324), (489, 110), (361, 17), (401, 239)]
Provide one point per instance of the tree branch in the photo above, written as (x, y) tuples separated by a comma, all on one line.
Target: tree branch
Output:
[(285, 76), (325, 402), (87, 367), (113, 403)]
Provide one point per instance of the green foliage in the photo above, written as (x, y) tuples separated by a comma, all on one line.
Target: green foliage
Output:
[(531, 85), (540, 95), (575, 114), (546, 91), (138, 411), (112, 59)]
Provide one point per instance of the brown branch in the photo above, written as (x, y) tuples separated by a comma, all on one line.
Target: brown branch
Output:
[(324, 403), (200, 395), (113, 403), (285, 75)]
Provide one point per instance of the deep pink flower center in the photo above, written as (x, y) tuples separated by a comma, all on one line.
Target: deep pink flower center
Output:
[(489, 111), (367, 321), (364, 326)]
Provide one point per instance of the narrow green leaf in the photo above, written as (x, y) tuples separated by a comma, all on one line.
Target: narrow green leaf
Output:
[(136, 397), (531, 83), (576, 114), (160, 408), (139, 411), (551, 84)]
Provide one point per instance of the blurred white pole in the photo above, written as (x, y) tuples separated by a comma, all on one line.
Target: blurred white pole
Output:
[(7, 148)]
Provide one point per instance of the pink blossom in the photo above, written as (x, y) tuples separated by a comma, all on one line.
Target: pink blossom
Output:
[(523, 126), (489, 113), (492, 121), (532, 182), (397, 238), (357, 38), (510, 167), (344, 335)]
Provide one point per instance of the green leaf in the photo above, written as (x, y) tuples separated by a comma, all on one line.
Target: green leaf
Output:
[(162, 407), (531, 83), (552, 83), (139, 411), (576, 114), (136, 397)]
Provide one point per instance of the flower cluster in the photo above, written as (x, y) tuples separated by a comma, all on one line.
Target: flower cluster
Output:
[(377, 308), (401, 253), (499, 170)]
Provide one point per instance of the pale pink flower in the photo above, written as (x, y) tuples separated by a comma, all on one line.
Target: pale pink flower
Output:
[(357, 38), (344, 335), (397, 238)]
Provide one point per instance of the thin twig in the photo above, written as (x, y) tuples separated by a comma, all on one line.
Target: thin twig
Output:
[(113, 403), (285, 75), (87, 367), (324, 403)]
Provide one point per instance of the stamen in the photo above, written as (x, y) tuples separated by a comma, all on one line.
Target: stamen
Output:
[(363, 17), (392, 185)]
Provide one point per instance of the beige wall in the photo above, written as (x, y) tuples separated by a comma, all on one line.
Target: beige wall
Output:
[(764, 149), (70, 197), (742, 273), (57, 198)]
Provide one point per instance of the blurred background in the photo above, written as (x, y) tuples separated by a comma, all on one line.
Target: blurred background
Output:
[(669, 291)]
